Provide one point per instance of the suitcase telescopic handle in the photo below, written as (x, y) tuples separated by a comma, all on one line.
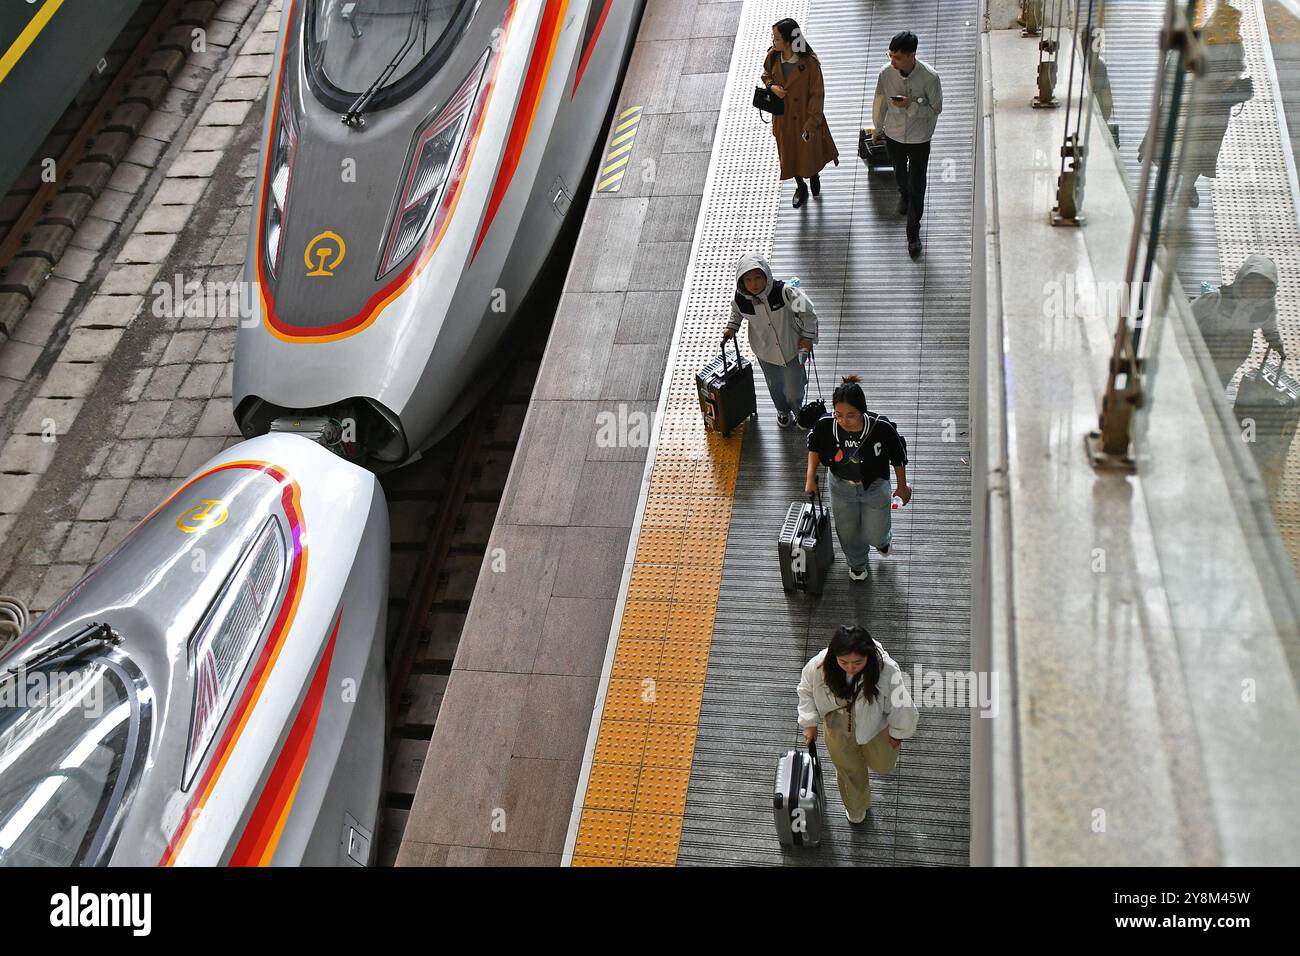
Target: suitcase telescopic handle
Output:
[(815, 783), (815, 498), (736, 346)]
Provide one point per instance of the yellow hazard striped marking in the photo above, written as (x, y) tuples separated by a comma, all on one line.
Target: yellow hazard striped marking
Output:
[(614, 169), (27, 37)]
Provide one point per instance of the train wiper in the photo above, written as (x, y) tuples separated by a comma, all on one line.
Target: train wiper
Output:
[(88, 634), (419, 15)]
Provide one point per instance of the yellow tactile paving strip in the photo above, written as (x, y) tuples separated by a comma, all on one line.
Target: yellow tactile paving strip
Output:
[(640, 770), (1255, 211)]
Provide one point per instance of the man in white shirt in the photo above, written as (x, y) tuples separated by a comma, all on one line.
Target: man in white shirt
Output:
[(906, 107)]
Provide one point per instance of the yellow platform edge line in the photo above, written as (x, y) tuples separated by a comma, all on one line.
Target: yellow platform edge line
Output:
[(631, 801)]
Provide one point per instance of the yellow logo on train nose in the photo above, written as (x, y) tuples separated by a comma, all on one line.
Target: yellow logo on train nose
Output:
[(330, 244), (206, 514)]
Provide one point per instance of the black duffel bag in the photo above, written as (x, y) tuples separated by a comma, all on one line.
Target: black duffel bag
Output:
[(768, 102), (812, 412)]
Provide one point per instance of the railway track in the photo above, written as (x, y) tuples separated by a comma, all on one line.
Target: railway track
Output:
[(441, 511)]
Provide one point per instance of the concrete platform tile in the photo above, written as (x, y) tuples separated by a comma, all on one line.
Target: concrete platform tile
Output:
[(556, 717), (461, 786), (508, 610), (591, 562), (537, 802), (575, 636)]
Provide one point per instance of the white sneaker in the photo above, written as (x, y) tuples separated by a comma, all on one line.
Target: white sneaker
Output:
[(783, 420), (853, 819), (859, 576)]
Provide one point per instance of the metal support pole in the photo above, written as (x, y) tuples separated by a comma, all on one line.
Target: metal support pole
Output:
[(1074, 148), (1048, 48), (1111, 445), (1031, 17)]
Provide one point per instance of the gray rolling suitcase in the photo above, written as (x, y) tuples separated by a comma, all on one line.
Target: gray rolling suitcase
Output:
[(800, 802), (804, 546)]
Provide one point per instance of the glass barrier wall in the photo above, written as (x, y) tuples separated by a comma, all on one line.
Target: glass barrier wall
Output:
[(1177, 119), (1200, 98)]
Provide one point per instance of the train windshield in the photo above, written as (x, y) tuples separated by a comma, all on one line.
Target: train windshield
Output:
[(385, 47), (69, 732)]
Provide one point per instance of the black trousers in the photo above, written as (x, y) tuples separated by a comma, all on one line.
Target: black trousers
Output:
[(911, 163)]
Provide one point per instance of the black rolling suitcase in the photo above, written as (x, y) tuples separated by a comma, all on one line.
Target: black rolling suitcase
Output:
[(726, 391), (875, 155), (804, 546), (1269, 399), (799, 805)]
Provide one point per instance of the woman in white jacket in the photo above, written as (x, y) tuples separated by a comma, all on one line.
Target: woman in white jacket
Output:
[(857, 689)]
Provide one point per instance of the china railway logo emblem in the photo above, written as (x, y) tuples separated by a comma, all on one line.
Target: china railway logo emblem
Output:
[(322, 247), (206, 514)]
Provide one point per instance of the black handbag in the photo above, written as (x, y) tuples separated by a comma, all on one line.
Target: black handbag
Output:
[(768, 102), (812, 412)]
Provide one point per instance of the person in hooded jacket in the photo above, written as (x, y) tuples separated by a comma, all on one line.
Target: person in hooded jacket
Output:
[(781, 324), (857, 690), (803, 140), (1229, 317)]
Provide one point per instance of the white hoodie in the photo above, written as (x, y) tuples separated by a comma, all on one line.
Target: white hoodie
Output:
[(773, 334), (892, 707)]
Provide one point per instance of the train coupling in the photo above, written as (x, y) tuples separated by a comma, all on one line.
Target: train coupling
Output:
[(319, 428)]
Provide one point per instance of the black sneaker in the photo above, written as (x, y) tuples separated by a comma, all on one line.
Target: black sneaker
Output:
[(901, 208), (816, 183), (800, 197), (914, 248)]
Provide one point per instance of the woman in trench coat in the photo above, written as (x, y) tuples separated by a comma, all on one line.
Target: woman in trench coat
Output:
[(803, 140), (1207, 111)]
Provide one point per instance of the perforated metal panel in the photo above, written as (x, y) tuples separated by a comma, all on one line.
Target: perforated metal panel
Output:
[(903, 325)]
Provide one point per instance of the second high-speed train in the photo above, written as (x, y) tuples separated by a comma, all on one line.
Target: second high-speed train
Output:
[(212, 692), (420, 157)]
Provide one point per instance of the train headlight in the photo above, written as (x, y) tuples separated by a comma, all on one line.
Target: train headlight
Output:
[(437, 158), (220, 651), (286, 144)]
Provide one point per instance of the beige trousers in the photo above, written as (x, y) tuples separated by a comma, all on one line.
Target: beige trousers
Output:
[(853, 759)]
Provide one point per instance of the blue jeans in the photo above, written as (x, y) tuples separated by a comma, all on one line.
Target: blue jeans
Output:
[(785, 383), (863, 518)]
